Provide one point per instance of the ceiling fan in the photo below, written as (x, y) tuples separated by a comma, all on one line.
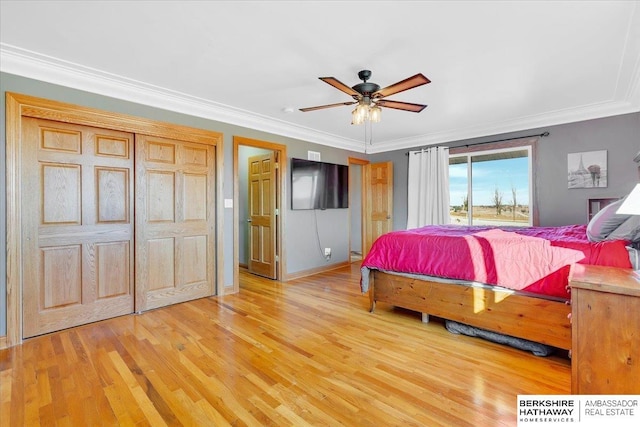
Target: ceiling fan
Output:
[(369, 96)]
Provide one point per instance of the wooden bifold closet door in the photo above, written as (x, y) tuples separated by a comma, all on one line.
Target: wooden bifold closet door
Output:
[(77, 229), (82, 240), (175, 221)]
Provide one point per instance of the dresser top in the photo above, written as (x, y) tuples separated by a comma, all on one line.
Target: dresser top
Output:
[(606, 279)]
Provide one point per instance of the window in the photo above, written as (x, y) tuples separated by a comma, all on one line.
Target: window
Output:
[(491, 187)]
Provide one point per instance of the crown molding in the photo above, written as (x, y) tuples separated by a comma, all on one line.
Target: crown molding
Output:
[(29, 64), (589, 112)]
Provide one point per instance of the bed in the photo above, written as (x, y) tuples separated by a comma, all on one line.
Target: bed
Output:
[(508, 280)]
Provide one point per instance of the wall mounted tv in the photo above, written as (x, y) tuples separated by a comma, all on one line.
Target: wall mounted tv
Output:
[(319, 185)]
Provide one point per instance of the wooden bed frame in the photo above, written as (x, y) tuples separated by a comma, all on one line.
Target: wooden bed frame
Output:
[(535, 319)]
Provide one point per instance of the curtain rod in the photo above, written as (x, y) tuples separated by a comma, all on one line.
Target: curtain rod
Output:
[(543, 135)]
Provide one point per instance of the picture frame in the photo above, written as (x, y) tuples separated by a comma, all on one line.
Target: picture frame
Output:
[(587, 169)]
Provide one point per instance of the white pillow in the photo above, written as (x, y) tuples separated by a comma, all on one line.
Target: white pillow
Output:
[(608, 225)]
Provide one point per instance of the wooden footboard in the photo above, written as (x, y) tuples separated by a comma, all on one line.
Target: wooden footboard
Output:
[(521, 316)]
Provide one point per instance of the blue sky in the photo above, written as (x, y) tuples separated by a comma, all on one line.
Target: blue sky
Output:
[(487, 176)]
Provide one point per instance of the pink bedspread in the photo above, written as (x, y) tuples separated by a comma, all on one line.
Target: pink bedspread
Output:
[(533, 259)]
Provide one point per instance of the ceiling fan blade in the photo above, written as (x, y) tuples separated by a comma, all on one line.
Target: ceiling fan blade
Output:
[(406, 106), (340, 86), (406, 84), (320, 107)]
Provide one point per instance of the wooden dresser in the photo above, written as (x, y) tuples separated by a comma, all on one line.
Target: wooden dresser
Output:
[(605, 307)]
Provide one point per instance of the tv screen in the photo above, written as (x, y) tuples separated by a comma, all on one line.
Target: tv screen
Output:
[(319, 185)]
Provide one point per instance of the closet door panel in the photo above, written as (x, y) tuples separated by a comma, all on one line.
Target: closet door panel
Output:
[(77, 231), (175, 221)]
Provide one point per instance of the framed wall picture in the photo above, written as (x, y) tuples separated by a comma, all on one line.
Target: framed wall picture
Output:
[(587, 169)]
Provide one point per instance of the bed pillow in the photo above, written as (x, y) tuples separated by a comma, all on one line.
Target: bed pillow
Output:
[(608, 225)]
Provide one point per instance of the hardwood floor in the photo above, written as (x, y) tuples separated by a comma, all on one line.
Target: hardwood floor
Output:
[(306, 352)]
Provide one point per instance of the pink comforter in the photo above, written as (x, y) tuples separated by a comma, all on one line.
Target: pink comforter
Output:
[(533, 259)]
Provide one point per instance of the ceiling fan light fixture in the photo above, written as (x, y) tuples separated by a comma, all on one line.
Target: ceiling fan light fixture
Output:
[(362, 110), (357, 118), (366, 111), (375, 114)]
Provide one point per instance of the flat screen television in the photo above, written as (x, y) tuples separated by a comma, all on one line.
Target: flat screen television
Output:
[(319, 185)]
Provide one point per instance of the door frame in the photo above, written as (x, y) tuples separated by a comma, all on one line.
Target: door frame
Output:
[(17, 106), (281, 153)]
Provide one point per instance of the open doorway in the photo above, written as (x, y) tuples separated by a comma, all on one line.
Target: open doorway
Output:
[(270, 221), (356, 208)]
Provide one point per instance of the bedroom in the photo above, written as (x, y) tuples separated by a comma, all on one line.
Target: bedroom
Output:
[(618, 134)]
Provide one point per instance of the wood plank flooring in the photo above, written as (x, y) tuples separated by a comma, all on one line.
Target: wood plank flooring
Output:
[(305, 352)]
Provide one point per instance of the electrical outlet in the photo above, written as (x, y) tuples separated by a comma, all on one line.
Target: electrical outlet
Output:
[(327, 253)]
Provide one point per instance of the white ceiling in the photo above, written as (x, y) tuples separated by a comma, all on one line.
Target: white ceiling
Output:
[(495, 67)]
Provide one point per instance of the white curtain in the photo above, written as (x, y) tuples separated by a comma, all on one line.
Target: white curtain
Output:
[(428, 187)]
